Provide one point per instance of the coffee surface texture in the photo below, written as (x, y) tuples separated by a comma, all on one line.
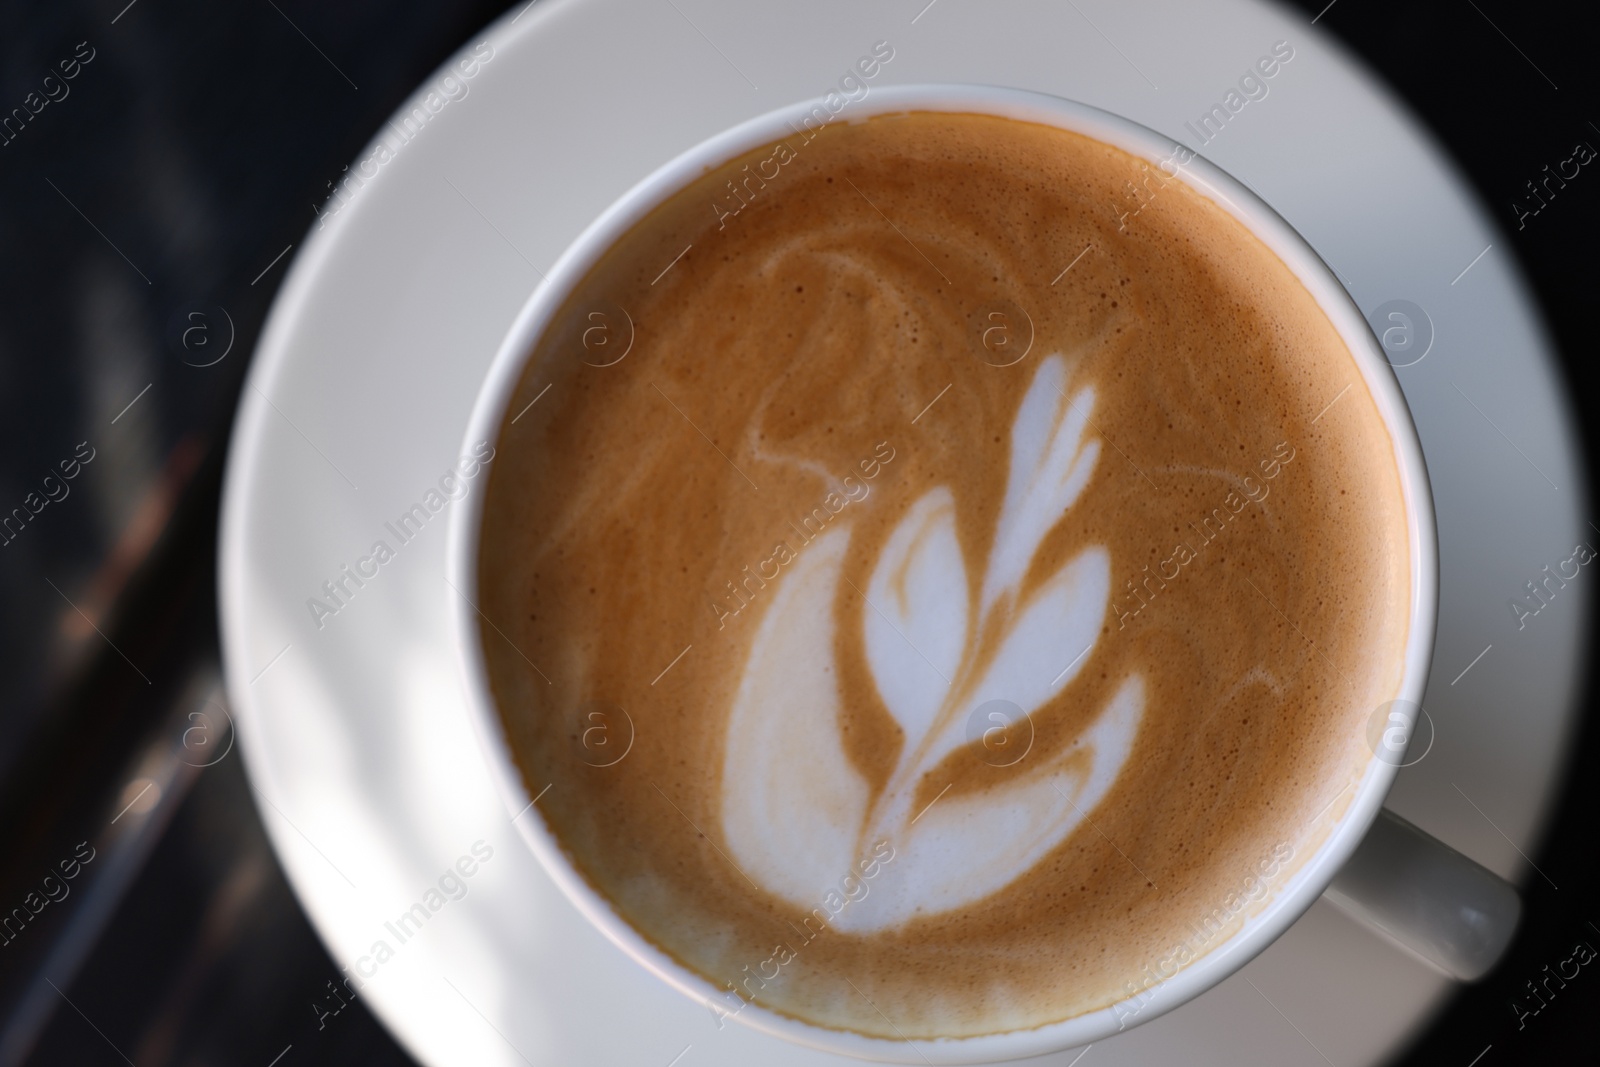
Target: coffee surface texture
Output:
[(938, 575)]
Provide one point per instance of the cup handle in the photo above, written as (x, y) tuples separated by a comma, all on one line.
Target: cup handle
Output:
[(1427, 899)]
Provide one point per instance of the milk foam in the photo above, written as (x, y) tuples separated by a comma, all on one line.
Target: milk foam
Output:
[(796, 812)]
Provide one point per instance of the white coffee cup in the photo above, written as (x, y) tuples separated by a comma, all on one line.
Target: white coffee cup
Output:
[(1423, 896)]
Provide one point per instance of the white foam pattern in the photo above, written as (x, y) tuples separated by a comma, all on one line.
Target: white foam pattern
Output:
[(797, 814)]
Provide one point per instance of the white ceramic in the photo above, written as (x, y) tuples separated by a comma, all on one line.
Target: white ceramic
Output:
[(355, 736), (1290, 900)]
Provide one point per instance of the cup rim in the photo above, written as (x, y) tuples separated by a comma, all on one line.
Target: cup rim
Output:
[(1282, 908)]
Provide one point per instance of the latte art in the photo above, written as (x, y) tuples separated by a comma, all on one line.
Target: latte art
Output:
[(794, 806), (934, 525)]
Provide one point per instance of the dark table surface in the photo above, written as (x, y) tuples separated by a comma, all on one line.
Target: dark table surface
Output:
[(162, 155)]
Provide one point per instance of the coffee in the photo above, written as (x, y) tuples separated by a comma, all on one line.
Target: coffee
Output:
[(937, 571)]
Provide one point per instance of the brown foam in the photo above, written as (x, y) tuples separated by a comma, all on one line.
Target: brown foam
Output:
[(801, 339)]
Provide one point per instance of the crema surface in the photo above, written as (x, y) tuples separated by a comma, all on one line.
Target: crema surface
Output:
[(944, 577)]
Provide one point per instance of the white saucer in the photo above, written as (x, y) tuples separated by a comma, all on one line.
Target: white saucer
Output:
[(355, 733)]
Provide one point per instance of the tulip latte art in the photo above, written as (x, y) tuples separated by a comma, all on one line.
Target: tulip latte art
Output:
[(925, 597)]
